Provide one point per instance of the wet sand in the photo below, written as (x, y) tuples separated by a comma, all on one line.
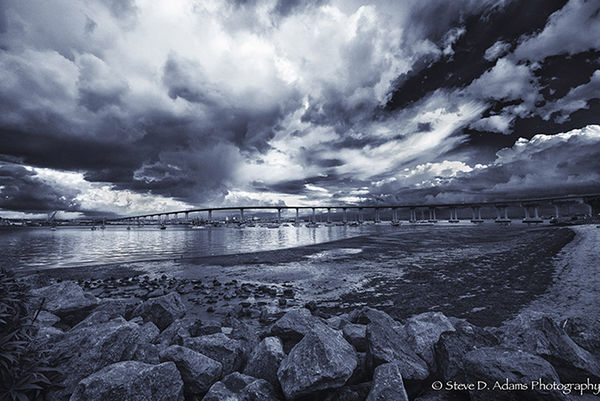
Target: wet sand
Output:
[(485, 273)]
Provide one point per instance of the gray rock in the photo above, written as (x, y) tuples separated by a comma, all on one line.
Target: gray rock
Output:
[(357, 392), (387, 344), (496, 366), (542, 336), (322, 360), (227, 351), (356, 334), (162, 311), (174, 334), (265, 360), (46, 319), (198, 371), (66, 300), (423, 332), (337, 322), (387, 384), (94, 318), (147, 353), (239, 387), (46, 334), (585, 333), (452, 347), (118, 306), (292, 326), (133, 381), (91, 348)]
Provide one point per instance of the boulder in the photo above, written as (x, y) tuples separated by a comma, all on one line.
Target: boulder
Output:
[(147, 353), (89, 349), (265, 360), (517, 371), (585, 333), (174, 334), (387, 384), (132, 380), (239, 387), (356, 334), (292, 326), (357, 392), (66, 299), (198, 371), (46, 319), (227, 351), (162, 311), (423, 331), (322, 360), (542, 336), (96, 317), (387, 344), (452, 347), (118, 306)]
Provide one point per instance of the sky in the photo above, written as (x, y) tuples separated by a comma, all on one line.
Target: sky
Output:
[(123, 107)]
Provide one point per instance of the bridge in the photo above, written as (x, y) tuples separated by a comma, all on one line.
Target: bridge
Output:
[(417, 212)]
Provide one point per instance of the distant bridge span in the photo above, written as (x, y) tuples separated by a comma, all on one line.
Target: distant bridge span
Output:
[(528, 204)]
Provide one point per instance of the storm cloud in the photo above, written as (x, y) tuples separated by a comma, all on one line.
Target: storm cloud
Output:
[(135, 106)]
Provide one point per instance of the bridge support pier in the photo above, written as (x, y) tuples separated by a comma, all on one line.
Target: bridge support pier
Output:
[(377, 220), (359, 217), (502, 214), (345, 218), (413, 215), (432, 217), (279, 216), (242, 216), (476, 215), (453, 215), (536, 216), (297, 216), (328, 215), (314, 217)]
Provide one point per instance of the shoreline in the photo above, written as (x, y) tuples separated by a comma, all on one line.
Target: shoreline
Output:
[(428, 269)]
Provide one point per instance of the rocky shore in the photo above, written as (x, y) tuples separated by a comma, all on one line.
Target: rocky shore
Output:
[(120, 348)]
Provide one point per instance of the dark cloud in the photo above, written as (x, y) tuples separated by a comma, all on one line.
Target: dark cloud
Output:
[(482, 31), (346, 102), (21, 190)]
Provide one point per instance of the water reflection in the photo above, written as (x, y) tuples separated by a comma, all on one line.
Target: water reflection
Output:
[(70, 246)]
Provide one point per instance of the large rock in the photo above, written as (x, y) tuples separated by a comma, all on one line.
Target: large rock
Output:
[(423, 332), (46, 319), (452, 347), (133, 381), (294, 325), (265, 360), (198, 371), (322, 360), (162, 311), (239, 387), (542, 336), (174, 334), (387, 384), (509, 375), (66, 300), (89, 349), (227, 351), (356, 334), (118, 306), (387, 344)]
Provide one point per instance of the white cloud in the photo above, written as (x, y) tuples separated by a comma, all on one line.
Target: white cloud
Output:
[(572, 29), (497, 123)]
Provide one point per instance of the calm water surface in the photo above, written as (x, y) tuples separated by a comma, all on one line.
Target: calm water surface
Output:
[(71, 246)]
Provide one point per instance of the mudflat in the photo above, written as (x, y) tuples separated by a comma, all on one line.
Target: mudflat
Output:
[(484, 273)]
